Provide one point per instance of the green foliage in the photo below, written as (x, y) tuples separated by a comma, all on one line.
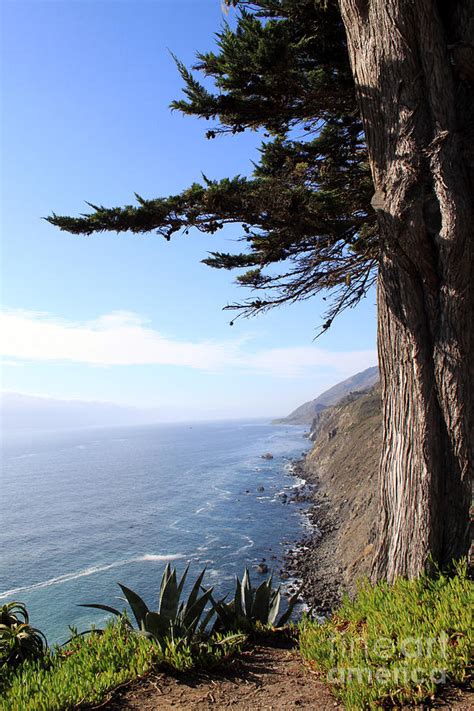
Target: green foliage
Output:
[(18, 639), (204, 652), (284, 63), (305, 214), (80, 673), (252, 608), (174, 619), (396, 644)]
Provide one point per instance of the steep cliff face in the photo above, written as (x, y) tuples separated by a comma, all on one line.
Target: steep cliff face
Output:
[(344, 462)]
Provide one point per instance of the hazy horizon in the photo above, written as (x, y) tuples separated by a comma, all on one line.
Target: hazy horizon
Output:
[(25, 410)]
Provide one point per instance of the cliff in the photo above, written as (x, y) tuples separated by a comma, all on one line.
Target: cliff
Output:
[(345, 456), (343, 465)]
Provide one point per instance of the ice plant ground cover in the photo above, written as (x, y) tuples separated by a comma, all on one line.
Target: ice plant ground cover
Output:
[(395, 644), (85, 670)]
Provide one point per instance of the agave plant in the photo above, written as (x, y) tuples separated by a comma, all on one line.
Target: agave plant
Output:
[(252, 605), (174, 618), (18, 639)]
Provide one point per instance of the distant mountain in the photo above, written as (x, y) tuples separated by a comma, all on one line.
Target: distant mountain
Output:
[(304, 414), (18, 411)]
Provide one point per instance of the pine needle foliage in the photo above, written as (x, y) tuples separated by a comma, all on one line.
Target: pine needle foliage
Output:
[(282, 69)]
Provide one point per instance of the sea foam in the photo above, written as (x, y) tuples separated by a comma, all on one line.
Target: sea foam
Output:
[(147, 557)]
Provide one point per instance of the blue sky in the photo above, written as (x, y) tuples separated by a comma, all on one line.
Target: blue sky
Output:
[(86, 87)]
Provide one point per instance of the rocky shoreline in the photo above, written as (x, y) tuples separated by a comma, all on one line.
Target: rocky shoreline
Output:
[(311, 561), (341, 492)]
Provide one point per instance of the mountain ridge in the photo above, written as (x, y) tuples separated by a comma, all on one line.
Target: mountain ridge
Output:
[(305, 413)]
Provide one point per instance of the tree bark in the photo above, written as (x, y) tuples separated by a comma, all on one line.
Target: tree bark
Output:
[(412, 63)]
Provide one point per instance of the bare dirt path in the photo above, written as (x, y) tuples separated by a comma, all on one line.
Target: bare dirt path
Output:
[(261, 678), (265, 677)]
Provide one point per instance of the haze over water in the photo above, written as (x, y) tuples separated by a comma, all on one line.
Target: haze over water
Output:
[(83, 509)]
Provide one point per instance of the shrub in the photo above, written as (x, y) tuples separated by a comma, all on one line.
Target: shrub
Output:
[(395, 644), (82, 672), (252, 608), (18, 639), (88, 667), (205, 652), (174, 619)]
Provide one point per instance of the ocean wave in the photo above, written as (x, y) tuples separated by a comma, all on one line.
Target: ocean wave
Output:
[(208, 506), (218, 575), (67, 577), (225, 492), (298, 484), (250, 544)]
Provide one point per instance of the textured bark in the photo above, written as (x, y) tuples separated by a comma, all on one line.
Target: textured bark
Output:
[(416, 99)]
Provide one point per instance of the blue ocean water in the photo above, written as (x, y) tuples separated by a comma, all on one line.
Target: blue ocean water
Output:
[(82, 510)]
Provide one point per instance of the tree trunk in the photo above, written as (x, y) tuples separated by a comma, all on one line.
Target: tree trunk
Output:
[(413, 68)]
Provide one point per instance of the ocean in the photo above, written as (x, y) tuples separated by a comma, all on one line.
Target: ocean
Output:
[(81, 510)]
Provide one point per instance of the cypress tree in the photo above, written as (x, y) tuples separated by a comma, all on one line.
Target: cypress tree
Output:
[(365, 172)]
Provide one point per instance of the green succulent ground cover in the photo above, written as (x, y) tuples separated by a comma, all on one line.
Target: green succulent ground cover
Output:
[(79, 673), (84, 671), (395, 644)]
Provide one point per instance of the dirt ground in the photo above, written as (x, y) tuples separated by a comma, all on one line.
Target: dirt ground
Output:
[(265, 677), (262, 678)]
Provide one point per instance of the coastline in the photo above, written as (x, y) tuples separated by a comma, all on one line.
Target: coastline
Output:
[(312, 560), (341, 474)]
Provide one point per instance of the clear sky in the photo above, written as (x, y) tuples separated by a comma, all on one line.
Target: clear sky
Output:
[(86, 87)]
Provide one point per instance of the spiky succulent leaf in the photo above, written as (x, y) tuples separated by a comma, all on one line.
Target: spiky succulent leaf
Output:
[(287, 614), (19, 640), (246, 594), (261, 603), (13, 613), (193, 595), (139, 607), (157, 626), (274, 607), (182, 581), (192, 614), (238, 598), (169, 600), (164, 580), (206, 619), (225, 612), (105, 608)]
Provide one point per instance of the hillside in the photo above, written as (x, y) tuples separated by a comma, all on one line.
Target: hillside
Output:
[(304, 414)]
